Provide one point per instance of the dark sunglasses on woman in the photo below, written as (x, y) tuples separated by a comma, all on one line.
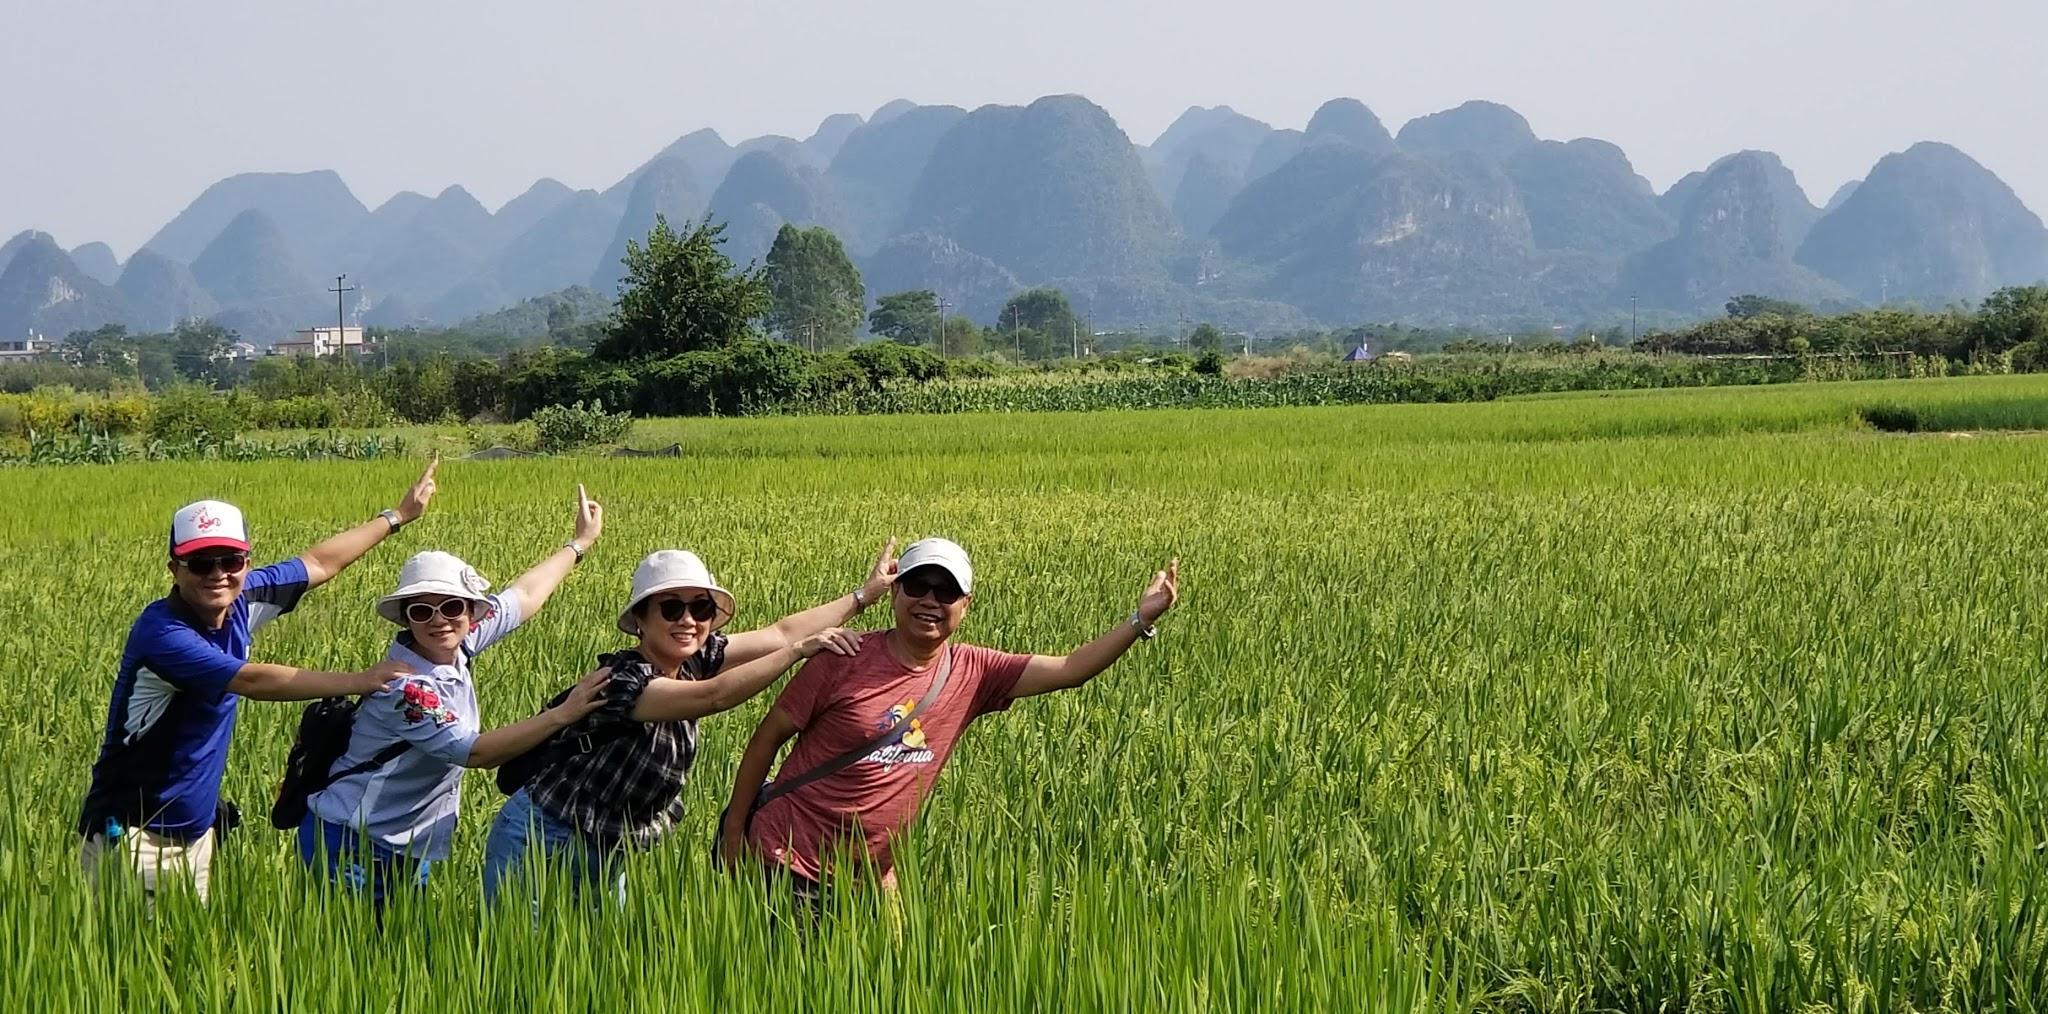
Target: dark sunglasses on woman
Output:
[(226, 563), (699, 609), (421, 612)]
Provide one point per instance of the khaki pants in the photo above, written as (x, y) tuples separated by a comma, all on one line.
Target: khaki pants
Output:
[(152, 858)]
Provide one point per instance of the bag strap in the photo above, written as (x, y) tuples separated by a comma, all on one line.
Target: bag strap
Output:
[(377, 760), (783, 787)]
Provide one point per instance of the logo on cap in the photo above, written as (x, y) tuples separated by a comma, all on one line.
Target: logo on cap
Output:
[(205, 521)]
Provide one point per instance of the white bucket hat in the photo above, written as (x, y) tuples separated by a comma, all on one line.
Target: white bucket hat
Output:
[(668, 570), (944, 554), (433, 573)]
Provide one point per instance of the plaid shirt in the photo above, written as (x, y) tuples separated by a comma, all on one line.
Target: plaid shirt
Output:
[(627, 790)]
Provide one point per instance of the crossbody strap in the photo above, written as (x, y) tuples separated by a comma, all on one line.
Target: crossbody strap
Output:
[(377, 760), (785, 786)]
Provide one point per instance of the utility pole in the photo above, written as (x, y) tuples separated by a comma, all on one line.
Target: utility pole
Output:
[(1635, 333), (1180, 338), (1077, 339), (1016, 336), (943, 307), (340, 316), (1884, 289)]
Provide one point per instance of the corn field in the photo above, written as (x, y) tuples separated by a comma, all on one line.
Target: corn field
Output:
[(1709, 699)]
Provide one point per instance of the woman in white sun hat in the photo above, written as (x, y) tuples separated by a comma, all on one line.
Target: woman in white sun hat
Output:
[(389, 813), (613, 781)]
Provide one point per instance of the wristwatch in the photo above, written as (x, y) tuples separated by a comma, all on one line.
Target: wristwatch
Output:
[(574, 548), (1145, 630), (391, 518), (860, 601)]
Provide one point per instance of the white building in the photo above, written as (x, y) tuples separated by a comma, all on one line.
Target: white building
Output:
[(34, 346), (318, 342)]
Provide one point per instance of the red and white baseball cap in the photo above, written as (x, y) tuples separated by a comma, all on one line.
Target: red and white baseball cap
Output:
[(208, 524)]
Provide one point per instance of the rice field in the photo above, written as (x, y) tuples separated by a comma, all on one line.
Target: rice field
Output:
[(1708, 699)]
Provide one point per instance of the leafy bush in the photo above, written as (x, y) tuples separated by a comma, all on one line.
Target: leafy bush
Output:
[(190, 413), (559, 428)]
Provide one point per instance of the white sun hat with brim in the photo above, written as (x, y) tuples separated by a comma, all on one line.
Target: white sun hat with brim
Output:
[(672, 570), (433, 573), (944, 554)]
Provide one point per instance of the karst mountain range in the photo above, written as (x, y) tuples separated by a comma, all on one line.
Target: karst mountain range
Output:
[(1464, 216)]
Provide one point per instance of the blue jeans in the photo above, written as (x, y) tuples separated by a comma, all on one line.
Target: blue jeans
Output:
[(523, 831), (352, 860)]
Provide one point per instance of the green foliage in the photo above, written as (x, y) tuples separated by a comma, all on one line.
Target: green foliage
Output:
[(1695, 700), (191, 413), (682, 294), (911, 318), (1046, 314), (561, 428), (1757, 306), (1206, 337), (202, 351), (2011, 317), (815, 291), (960, 336)]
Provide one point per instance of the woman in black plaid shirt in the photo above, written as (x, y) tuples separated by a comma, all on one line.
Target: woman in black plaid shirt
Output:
[(612, 783)]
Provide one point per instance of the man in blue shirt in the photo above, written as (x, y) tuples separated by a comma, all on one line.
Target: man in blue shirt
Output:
[(155, 788)]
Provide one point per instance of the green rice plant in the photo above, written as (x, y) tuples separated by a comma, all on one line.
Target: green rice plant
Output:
[(1708, 699)]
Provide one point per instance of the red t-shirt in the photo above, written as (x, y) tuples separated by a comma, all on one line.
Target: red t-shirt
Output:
[(841, 701)]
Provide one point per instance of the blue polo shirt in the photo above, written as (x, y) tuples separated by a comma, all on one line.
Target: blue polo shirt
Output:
[(165, 746)]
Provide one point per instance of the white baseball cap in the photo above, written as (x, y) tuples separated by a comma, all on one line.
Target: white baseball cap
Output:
[(669, 570), (944, 554), (433, 573), (207, 524)]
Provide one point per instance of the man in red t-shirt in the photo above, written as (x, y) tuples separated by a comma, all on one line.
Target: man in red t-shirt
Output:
[(837, 705)]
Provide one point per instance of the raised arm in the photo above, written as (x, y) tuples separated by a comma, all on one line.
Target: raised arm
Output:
[(775, 729), (539, 582), (336, 552), (785, 632), (677, 700), (1047, 673), (262, 681), (508, 741)]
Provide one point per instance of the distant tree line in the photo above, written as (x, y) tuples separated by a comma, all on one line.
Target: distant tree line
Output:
[(692, 333)]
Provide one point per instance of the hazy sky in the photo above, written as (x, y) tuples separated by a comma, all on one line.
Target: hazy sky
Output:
[(116, 114)]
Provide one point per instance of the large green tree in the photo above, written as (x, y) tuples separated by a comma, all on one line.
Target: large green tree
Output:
[(816, 292), (1043, 312), (911, 318), (2011, 317), (1206, 338), (202, 350), (681, 293)]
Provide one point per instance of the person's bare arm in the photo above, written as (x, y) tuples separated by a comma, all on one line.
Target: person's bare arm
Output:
[(785, 632), (508, 741), (1047, 673), (264, 681), (333, 554), (775, 729), (678, 700)]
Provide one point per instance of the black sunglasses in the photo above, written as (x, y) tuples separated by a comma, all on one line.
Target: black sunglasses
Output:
[(421, 612), (699, 609), (942, 591), (226, 563)]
